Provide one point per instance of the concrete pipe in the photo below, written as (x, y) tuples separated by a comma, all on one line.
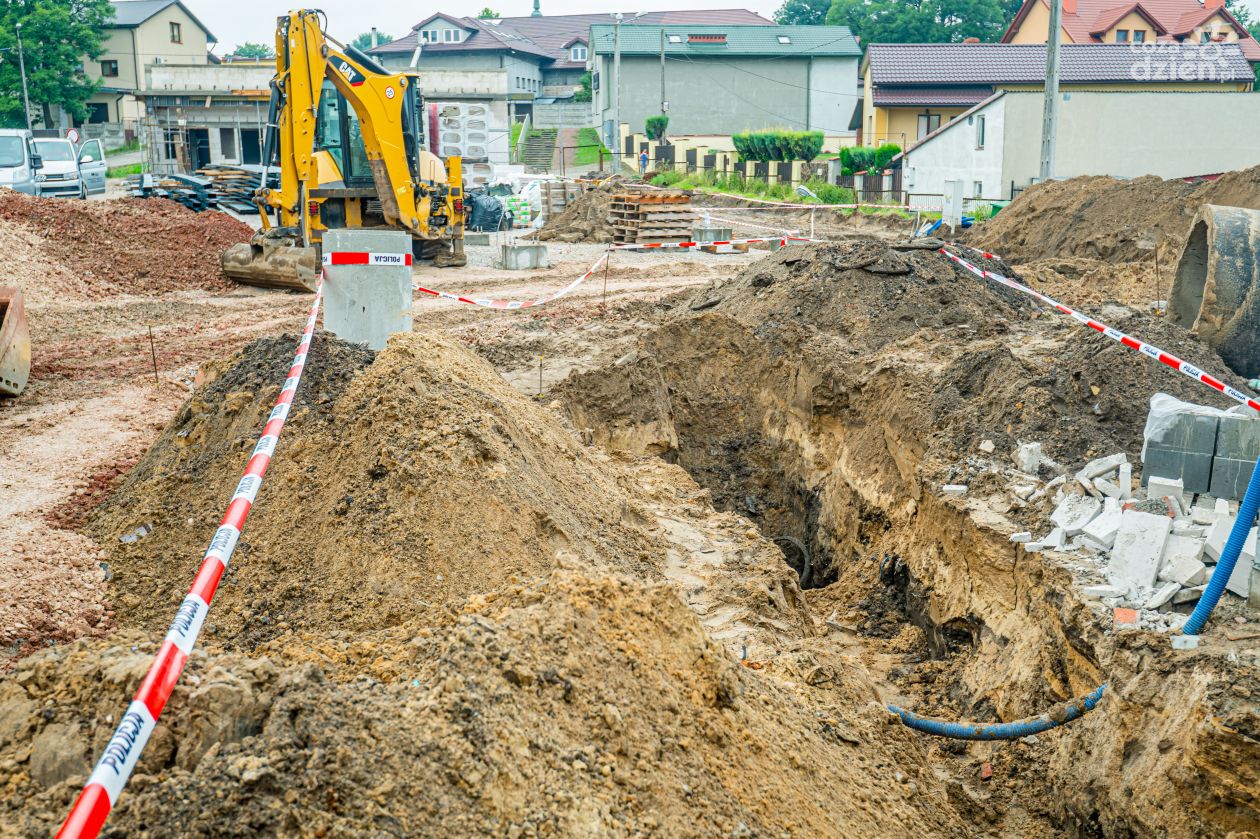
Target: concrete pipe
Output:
[(1216, 292)]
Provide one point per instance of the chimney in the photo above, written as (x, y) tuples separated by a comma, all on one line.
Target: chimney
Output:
[(1213, 5), (1069, 6), (971, 40)]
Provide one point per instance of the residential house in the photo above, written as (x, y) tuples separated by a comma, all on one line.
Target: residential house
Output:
[(1145, 22), (994, 148), (720, 80), (142, 34), (911, 90)]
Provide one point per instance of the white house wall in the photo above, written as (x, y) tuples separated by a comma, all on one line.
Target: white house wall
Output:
[(953, 154)]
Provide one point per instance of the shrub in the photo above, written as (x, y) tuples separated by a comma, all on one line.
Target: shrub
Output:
[(765, 146), (829, 193), (670, 177), (583, 93), (856, 159), (655, 127)]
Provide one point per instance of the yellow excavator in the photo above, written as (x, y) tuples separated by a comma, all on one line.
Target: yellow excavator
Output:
[(348, 138)]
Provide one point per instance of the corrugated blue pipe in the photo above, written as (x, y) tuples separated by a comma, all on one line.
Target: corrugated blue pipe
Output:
[(1060, 715), (1229, 557)]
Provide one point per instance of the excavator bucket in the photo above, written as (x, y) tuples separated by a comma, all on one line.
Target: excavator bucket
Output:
[(273, 261), (15, 342)]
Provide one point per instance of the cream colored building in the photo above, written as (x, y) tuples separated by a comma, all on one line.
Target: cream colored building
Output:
[(143, 33), (1152, 22), (913, 90)]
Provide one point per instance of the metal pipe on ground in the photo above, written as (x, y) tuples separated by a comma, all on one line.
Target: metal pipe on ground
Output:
[(1216, 292)]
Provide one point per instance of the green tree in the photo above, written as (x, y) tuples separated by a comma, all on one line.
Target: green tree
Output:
[(920, 21), (802, 12), (58, 37), (488, 13), (1240, 10), (364, 41), (583, 93), (249, 49)]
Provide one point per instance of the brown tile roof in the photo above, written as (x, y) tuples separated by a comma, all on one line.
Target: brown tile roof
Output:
[(956, 97), (549, 36), (942, 65)]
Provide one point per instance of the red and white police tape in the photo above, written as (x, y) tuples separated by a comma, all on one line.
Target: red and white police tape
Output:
[(782, 240), (1148, 350), (515, 304), (107, 780), (366, 258)]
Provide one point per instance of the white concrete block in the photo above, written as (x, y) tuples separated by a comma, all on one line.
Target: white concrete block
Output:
[(1217, 536), (1188, 595), (1222, 507), (1187, 527), (1139, 547), (1104, 592), (987, 446), (1074, 512), (1028, 458), (1240, 581), (1107, 488), (1021, 537), (1055, 539), (1202, 514), (1185, 642), (1181, 561), (1175, 488), (1103, 465), (1101, 532), (1024, 491), (1162, 595), (955, 490), (1126, 481)]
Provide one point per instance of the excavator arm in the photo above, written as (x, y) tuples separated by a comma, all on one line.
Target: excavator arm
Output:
[(415, 191), (305, 57)]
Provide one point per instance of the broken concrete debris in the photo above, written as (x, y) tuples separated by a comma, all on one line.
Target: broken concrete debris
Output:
[(1154, 549), (956, 490), (1028, 458)]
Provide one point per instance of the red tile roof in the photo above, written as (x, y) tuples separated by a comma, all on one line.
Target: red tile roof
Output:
[(1094, 17)]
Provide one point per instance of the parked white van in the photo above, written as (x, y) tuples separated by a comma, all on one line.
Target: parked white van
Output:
[(19, 160)]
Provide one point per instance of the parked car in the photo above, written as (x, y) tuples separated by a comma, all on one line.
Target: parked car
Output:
[(19, 161), (92, 165), (60, 174)]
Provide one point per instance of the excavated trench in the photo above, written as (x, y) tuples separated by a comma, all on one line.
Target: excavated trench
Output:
[(835, 449)]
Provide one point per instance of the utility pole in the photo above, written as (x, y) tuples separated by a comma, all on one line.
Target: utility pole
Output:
[(664, 104), (26, 99), (616, 85), (1050, 124)]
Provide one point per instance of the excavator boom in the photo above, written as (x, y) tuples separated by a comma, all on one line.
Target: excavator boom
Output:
[(347, 135)]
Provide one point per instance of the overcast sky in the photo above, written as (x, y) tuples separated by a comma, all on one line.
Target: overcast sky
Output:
[(237, 21)]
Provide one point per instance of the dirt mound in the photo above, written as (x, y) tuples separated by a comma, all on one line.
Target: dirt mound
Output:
[(96, 249), (403, 482), (577, 705), (586, 218), (1108, 219), (827, 393)]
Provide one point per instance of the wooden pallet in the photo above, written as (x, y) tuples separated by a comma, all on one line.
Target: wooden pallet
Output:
[(643, 217)]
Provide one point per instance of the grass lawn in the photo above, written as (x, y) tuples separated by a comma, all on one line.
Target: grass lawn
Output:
[(123, 171), (589, 146)]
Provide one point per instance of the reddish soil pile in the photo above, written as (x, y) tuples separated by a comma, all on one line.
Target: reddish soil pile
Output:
[(125, 246)]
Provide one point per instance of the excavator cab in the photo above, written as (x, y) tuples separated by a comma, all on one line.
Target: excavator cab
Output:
[(347, 137)]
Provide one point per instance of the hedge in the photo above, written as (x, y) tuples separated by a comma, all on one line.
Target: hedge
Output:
[(856, 159), (655, 126), (764, 146)]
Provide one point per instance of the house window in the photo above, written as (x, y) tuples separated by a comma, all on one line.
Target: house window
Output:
[(980, 131), (928, 122), (675, 39), (429, 36), (578, 53), (1122, 36), (109, 69), (977, 189), (177, 36), (1139, 36), (452, 36), (784, 39), (1205, 37), (97, 112), (227, 142)]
